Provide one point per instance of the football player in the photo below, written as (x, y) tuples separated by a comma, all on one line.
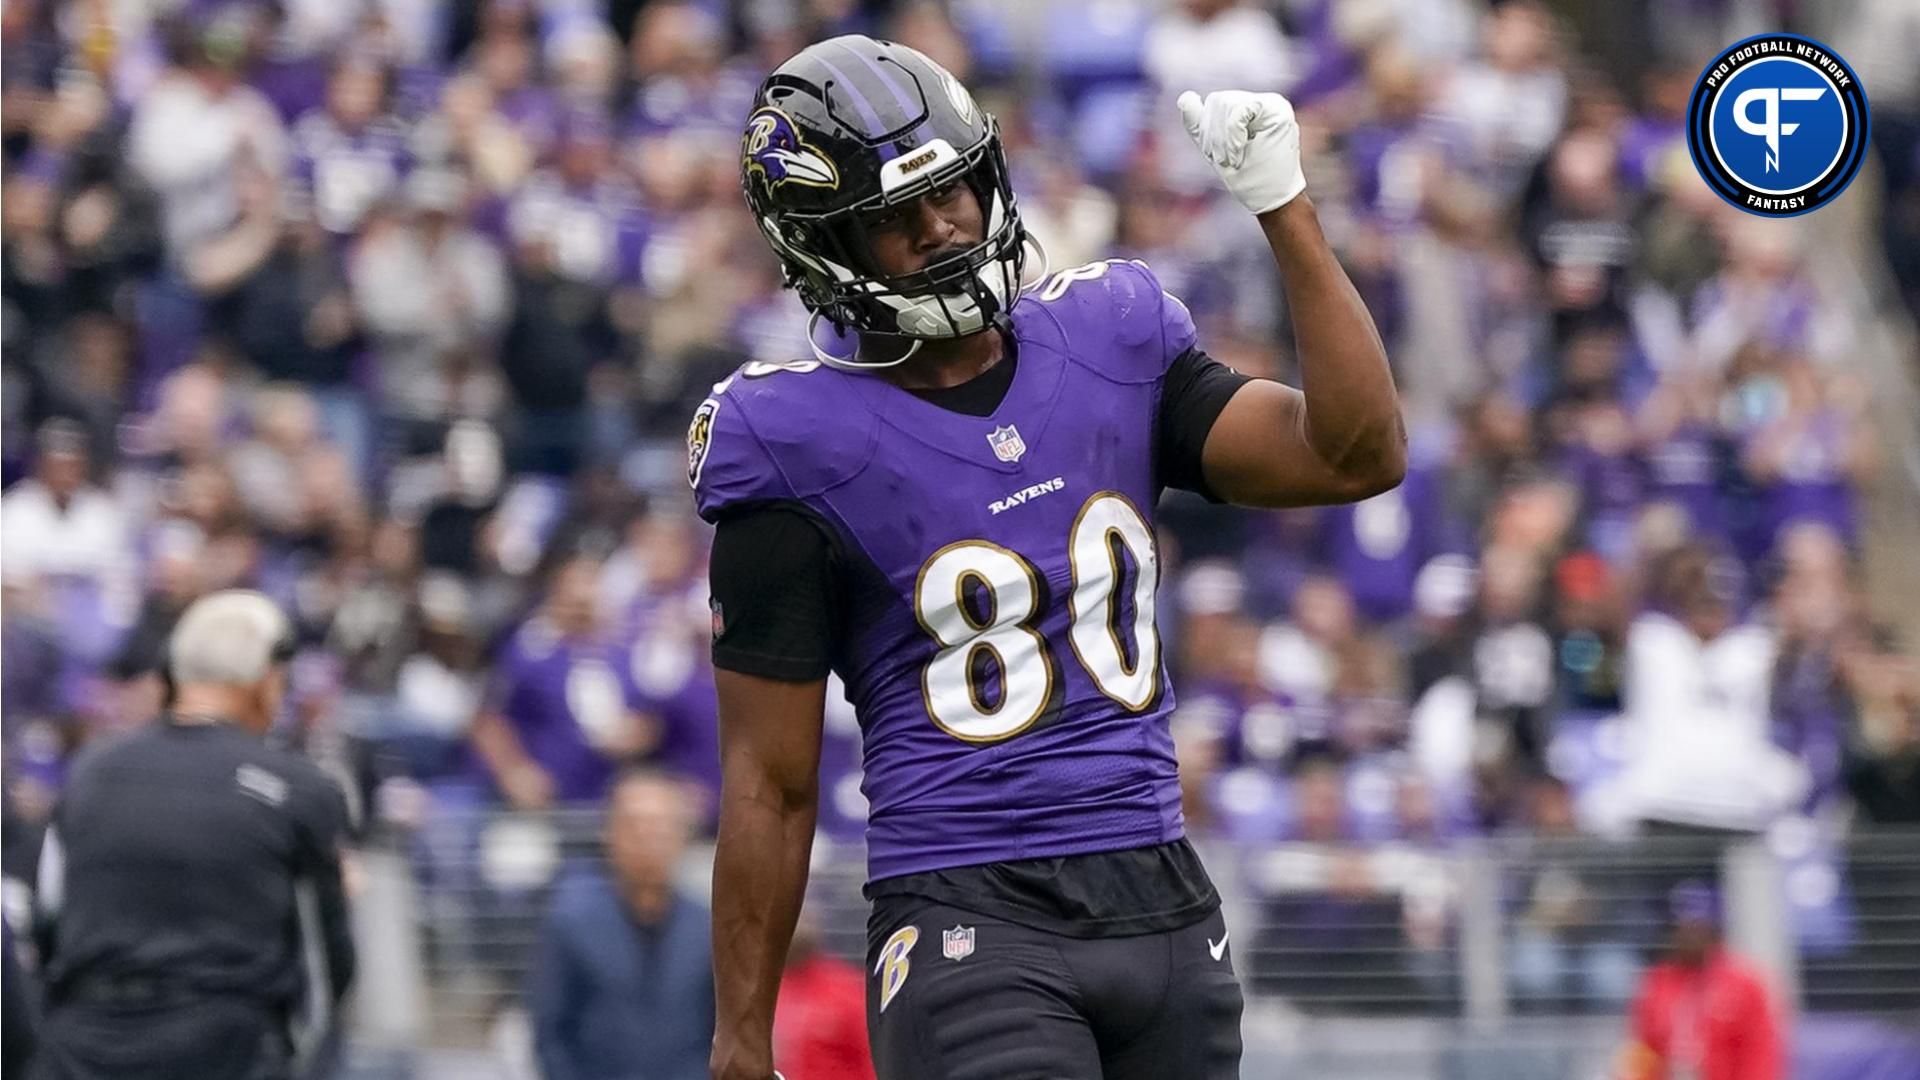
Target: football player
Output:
[(957, 517)]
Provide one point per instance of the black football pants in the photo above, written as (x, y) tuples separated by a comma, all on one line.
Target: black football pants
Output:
[(1006, 1002), (218, 1039)]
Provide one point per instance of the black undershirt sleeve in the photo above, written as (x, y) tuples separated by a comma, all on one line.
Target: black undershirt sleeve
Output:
[(775, 576), (1194, 391)]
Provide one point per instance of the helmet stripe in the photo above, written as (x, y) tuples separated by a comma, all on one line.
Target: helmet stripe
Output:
[(886, 151), (907, 108)]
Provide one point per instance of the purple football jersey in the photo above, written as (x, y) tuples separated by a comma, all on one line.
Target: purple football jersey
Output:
[(1001, 653), (1813, 484), (344, 174), (1611, 491), (1377, 546), (596, 234), (560, 695), (1684, 468), (669, 669)]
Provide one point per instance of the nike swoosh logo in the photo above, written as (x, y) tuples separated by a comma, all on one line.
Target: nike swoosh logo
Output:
[(1219, 950)]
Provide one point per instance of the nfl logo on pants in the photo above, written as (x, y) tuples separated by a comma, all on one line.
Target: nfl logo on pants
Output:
[(957, 943)]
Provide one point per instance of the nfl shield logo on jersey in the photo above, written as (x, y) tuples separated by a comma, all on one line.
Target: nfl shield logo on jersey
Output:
[(957, 943), (1007, 443)]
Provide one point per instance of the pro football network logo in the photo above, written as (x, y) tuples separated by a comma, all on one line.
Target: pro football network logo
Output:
[(1778, 125)]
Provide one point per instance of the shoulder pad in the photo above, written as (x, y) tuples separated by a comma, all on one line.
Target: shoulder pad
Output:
[(1117, 319), (773, 431)]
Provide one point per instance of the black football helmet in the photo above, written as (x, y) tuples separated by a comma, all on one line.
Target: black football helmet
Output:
[(848, 127)]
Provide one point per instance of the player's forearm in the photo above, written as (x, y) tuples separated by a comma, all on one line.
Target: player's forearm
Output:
[(1352, 414), (759, 877)]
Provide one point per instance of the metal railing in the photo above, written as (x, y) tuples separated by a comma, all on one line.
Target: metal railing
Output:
[(1383, 960)]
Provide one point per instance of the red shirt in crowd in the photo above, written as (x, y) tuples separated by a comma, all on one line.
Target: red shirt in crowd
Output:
[(1712, 1022), (820, 1022)]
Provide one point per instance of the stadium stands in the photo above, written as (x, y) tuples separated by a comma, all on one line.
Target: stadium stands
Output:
[(398, 313)]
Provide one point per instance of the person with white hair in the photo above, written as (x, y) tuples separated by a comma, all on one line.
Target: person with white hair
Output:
[(190, 907)]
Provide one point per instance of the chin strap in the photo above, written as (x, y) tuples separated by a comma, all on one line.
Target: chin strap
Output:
[(1046, 264), (854, 363)]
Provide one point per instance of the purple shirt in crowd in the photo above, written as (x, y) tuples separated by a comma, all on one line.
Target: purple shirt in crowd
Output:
[(553, 692), (1377, 546), (344, 174)]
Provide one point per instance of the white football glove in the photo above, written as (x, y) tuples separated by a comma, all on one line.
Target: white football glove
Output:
[(1253, 142)]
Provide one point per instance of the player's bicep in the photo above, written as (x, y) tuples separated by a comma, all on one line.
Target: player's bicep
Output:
[(1258, 454)]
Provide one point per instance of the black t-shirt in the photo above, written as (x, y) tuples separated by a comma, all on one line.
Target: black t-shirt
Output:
[(186, 852), (778, 572)]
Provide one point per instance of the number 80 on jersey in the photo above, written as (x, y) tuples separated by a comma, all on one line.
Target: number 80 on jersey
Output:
[(979, 600)]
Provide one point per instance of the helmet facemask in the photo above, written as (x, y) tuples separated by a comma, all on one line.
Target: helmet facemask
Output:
[(828, 256)]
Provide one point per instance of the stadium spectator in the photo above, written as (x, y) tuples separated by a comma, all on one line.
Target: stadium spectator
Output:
[(277, 471), (434, 296), (1703, 1012), (1335, 914), (1379, 545), (1812, 456), (175, 578), (87, 378), (1876, 36), (190, 417), (623, 981), (198, 132), (37, 685), (1821, 634), (1204, 45), (414, 678), (1696, 700), (684, 85), (350, 154), (457, 531), (1883, 769), (562, 715), (58, 524), (666, 625), (294, 321), (1684, 451), (820, 1021), (506, 59), (1511, 658), (468, 127), (1581, 233), (1590, 628), (1568, 947), (1510, 101), (1299, 658), (578, 236)]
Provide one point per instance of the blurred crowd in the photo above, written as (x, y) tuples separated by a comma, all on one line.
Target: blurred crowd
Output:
[(397, 310)]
